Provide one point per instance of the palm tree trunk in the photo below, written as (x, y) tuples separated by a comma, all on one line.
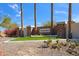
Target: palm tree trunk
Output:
[(69, 20), (35, 15), (51, 18), (22, 28), (35, 30)]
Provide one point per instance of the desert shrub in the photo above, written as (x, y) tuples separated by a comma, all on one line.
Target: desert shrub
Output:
[(55, 45), (44, 45), (11, 33), (72, 46), (76, 43), (73, 52), (72, 49), (49, 42), (63, 44)]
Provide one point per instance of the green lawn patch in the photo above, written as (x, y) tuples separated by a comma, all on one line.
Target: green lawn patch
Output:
[(35, 38)]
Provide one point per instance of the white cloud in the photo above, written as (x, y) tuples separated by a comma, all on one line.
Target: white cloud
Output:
[(61, 12), (18, 14), (13, 6)]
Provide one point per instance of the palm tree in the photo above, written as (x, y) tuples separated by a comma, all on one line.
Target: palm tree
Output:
[(22, 28), (35, 15), (35, 30), (35, 26), (69, 20), (51, 18)]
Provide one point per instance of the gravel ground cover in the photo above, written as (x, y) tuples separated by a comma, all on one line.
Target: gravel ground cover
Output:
[(29, 48)]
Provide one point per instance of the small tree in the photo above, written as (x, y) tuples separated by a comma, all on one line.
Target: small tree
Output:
[(48, 24), (6, 23)]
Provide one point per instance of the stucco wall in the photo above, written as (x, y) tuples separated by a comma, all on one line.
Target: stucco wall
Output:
[(75, 30)]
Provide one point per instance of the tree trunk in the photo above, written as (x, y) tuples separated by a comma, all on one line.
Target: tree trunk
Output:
[(69, 21), (35, 15), (51, 19), (22, 28), (35, 30)]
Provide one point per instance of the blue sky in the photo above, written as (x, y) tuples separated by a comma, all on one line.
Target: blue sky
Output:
[(43, 12)]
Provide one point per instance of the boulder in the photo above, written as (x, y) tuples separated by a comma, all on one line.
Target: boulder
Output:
[(2, 34)]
